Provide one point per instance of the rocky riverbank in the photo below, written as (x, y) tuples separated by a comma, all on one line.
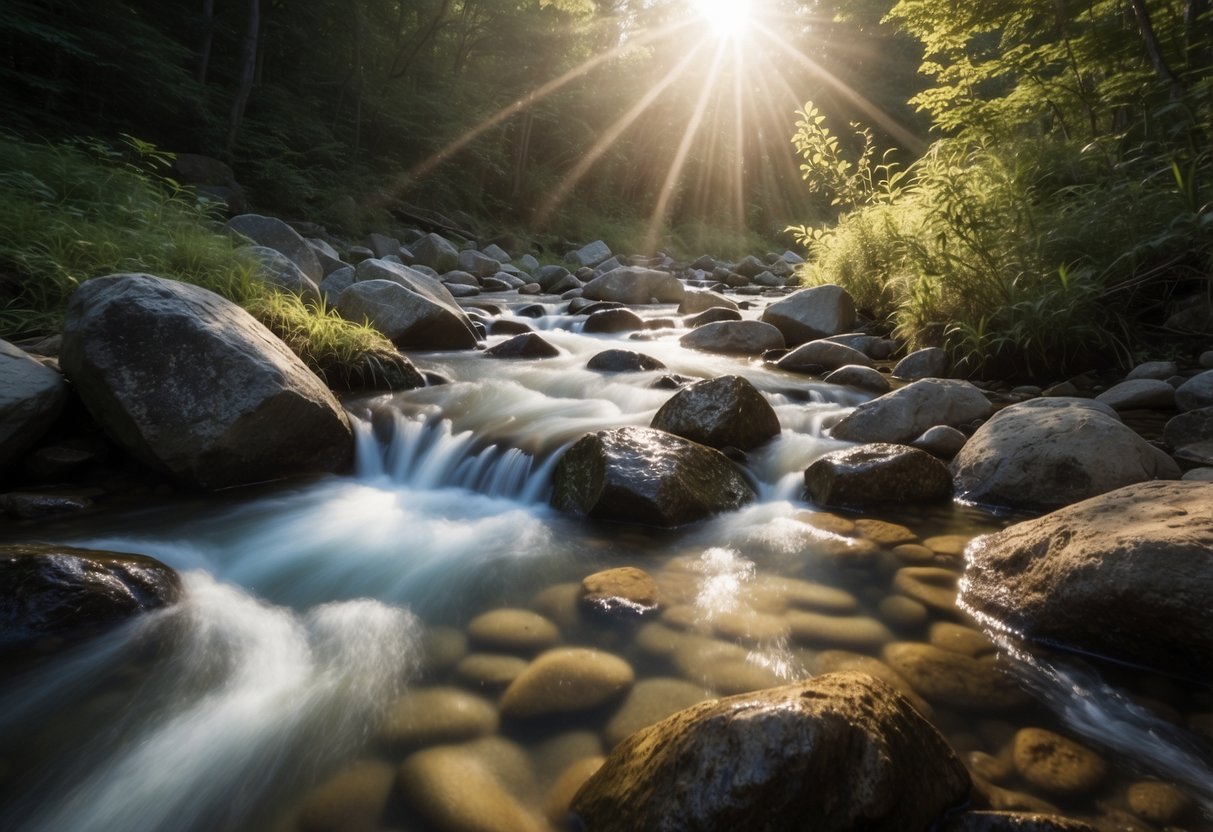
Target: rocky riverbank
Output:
[(192, 391)]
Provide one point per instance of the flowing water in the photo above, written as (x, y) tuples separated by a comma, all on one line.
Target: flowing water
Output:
[(310, 609)]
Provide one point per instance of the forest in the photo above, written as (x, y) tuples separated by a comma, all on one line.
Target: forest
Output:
[(1025, 183)]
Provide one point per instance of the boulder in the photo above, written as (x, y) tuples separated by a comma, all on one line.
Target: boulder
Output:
[(453, 788), (817, 312), (192, 385), (861, 377), (907, 413), (335, 283), (590, 255), (528, 263), (878, 473), (424, 315), (942, 441), (497, 253), (54, 595), (330, 260), (549, 277), (1190, 435), (750, 267), (566, 680), (383, 245), (1139, 394), (929, 362), (32, 396), (526, 345), (820, 357), (1161, 370), (481, 265), (272, 232), (721, 412), (622, 592), (1127, 575), (832, 754), (635, 286), (641, 475), (1196, 392), (613, 320), (695, 301), (276, 269), (437, 252), (1047, 453), (734, 338), (623, 361), (713, 315)]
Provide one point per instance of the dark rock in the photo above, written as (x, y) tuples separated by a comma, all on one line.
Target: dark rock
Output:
[(713, 315), (272, 232), (31, 398), (436, 252), (698, 302), (613, 320), (813, 313), (527, 345), (929, 362), (671, 382), (55, 462), (475, 263), (623, 361), (750, 267), (817, 357), (33, 505), (1196, 392), (641, 475), (720, 412), (276, 269), (833, 754), (879, 473), (1139, 394), (860, 377), (590, 255), (508, 327), (335, 283), (191, 384), (635, 287), (1190, 435), (551, 276), (383, 245), (942, 441), (531, 310), (734, 338), (1126, 575), (50, 595)]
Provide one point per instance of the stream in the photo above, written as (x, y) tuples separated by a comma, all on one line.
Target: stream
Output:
[(311, 607)]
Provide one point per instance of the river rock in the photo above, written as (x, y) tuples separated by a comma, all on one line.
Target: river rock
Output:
[(1196, 392), (192, 385), (621, 592), (276, 269), (750, 266), (904, 414), (566, 680), (1015, 822), (929, 362), (560, 796), (435, 251), (1047, 453), (845, 632), (635, 287), (878, 473), (734, 338), (478, 264), (930, 585), (641, 475), (51, 595), (861, 377), (649, 702), (1190, 435), (489, 670), (838, 750), (590, 255), (452, 788), (695, 301), (548, 277), (1055, 764), (437, 715), (526, 345), (32, 396), (820, 357), (623, 361), (408, 319), (273, 233), (949, 678), (514, 630), (809, 314), (1139, 394), (383, 245), (721, 412), (711, 316), (1158, 802), (613, 320), (942, 441), (353, 800), (1127, 575), (335, 283)]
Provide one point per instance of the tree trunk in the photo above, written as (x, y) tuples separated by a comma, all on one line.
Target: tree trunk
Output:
[(247, 73), (1154, 49), (206, 36)]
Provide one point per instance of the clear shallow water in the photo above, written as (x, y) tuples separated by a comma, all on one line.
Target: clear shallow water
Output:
[(306, 605)]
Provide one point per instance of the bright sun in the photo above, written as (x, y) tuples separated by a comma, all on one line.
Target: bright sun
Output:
[(727, 18)]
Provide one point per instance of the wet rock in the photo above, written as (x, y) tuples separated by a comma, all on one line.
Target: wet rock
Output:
[(1015, 822), (1047, 453), (818, 597), (1139, 394), (641, 475), (817, 312), (335, 283), (438, 715), (1190, 435), (32, 505), (51, 596), (560, 796), (275, 234), (902, 613), (711, 316), (884, 532), (190, 384), (505, 326), (861, 377), (455, 790), (435, 251), (1070, 578), (930, 585), (963, 640), (613, 320), (427, 317), (948, 545), (750, 267), (489, 670), (906, 413), (649, 702), (383, 245), (1195, 393), (750, 627), (566, 680), (621, 592), (353, 800), (942, 441), (589, 255), (31, 398), (838, 749), (820, 357), (635, 287), (623, 361), (513, 630), (929, 362), (1153, 369), (734, 338), (696, 301), (878, 473), (721, 412), (1157, 802), (478, 264), (58, 462), (837, 661), (948, 678), (526, 345), (845, 632), (1055, 764)]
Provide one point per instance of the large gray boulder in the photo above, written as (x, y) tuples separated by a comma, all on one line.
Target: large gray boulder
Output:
[(1190, 435), (721, 412), (1127, 575), (590, 255), (272, 232), (1196, 392), (408, 319), (192, 385), (641, 475), (1047, 453), (820, 357), (31, 398), (437, 252), (877, 473), (841, 752), (817, 312), (481, 265), (60, 595), (276, 269), (734, 338), (695, 301), (635, 287), (929, 362), (909, 412)]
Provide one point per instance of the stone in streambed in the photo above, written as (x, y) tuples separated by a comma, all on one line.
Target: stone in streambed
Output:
[(1190, 435), (877, 473), (513, 630), (649, 702), (623, 361), (275, 234), (277, 270), (613, 321), (942, 441), (1158, 802), (930, 585), (929, 362), (560, 796), (437, 715), (641, 475), (1139, 394), (817, 312), (192, 385), (722, 412), (952, 679), (435, 251), (526, 345), (455, 790), (907, 413), (1055, 764), (31, 398), (712, 316), (635, 287), (1196, 392), (353, 800), (566, 680), (489, 670), (851, 632), (623, 592), (838, 749), (860, 377), (820, 357), (695, 301), (734, 338)]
